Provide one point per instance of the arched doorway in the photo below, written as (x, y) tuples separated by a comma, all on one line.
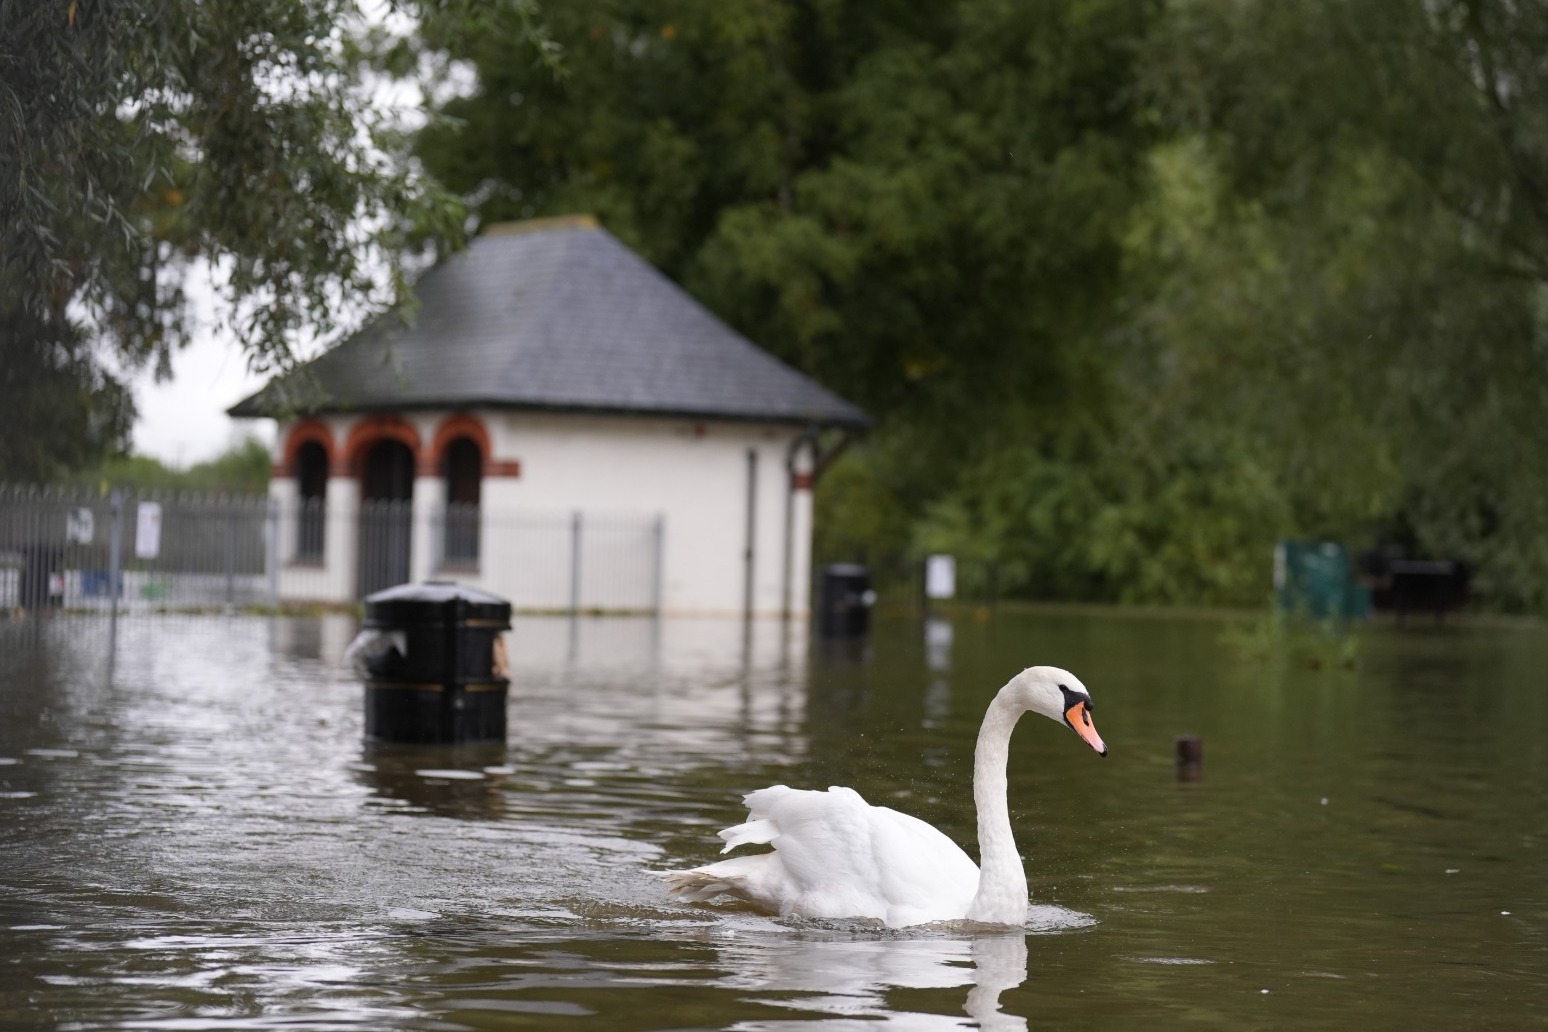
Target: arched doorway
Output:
[(463, 468), (386, 515), (311, 472)]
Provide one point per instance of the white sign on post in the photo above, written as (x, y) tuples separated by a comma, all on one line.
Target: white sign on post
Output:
[(147, 531), (940, 576), (80, 526)]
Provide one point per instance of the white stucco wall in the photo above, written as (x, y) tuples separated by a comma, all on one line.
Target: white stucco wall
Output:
[(693, 474), (643, 487)]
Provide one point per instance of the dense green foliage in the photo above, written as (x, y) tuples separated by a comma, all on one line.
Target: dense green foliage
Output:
[(1362, 186), (873, 187), (1134, 289), (60, 410)]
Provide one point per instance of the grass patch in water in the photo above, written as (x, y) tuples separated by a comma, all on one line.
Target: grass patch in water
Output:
[(1280, 637)]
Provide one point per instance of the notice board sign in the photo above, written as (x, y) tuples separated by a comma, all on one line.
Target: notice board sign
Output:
[(147, 531), (940, 576)]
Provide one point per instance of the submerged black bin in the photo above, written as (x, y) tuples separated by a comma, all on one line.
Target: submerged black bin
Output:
[(434, 663), (844, 600)]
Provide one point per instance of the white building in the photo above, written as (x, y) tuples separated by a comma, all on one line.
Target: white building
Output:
[(562, 426)]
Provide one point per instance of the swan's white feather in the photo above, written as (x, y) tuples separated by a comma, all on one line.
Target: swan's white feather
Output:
[(837, 856), (757, 832)]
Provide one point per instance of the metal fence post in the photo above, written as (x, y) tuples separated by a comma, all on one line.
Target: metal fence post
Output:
[(271, 546), (115, 564), (660, 571), (749, 557), (230, 508), (575, 562)]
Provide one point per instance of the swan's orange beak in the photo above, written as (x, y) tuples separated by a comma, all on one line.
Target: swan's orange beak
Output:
[(1079, 718)]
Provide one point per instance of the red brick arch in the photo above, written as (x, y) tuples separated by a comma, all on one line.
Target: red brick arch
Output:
[(306, 431), (460, 424), (372, 429), (465, 424)]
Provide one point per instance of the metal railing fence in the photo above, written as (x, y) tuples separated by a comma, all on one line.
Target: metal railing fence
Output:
[(74, 550), (81, 550)]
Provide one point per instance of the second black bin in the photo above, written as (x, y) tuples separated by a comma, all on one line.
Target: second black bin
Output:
[(436, 670), (844, 600)]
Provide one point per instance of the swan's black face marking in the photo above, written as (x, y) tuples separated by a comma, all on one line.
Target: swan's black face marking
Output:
[(1071, 700), (1077, 707)]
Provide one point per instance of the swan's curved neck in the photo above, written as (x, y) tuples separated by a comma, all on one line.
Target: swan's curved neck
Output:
[(1002, 881)]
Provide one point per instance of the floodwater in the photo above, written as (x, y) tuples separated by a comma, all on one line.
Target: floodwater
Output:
[(200, 839)]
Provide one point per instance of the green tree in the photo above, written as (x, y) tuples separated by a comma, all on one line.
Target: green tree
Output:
[(242, 468), (1351, 276), (59, 409), (867, 190), (1329, 322)]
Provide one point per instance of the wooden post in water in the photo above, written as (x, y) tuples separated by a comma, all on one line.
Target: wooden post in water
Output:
[(1190, 757)]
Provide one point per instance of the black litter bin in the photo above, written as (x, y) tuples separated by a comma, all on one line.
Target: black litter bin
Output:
[(844, 600), (434, 663)]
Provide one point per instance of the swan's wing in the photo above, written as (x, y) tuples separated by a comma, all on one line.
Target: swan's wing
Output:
[(837, 856), (924, 875)]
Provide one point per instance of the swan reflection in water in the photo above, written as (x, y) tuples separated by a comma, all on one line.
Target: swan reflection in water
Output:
[(850, 978)]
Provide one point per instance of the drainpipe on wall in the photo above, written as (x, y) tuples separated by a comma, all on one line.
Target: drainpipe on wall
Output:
[(809, 439), (820, 461)]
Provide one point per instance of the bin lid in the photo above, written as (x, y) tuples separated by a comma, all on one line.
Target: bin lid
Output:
[(425, 603)]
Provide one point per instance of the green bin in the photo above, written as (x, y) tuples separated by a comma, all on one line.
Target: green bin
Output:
[(1314, 579)]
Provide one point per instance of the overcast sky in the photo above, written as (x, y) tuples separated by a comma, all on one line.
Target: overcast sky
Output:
[(184, 421)]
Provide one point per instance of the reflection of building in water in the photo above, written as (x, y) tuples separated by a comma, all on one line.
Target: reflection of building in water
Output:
[(677, 645), (321, 638), (708, 689), (851, 977)]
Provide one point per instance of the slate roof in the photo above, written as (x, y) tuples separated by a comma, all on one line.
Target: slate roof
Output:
[(555, 314)]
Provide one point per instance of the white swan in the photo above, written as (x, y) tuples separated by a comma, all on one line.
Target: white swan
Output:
[(837, 856)]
